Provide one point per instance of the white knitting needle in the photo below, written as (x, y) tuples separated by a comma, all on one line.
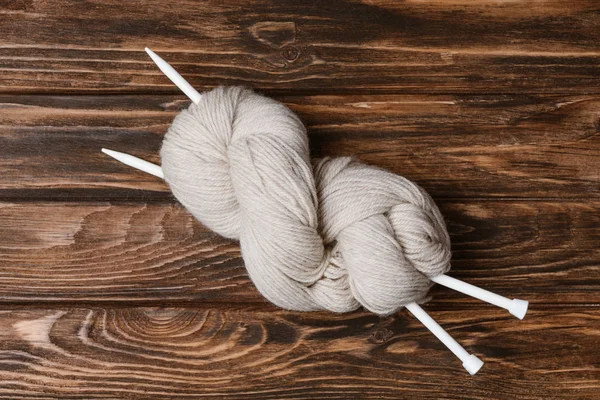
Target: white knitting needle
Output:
[(175, 77), (135, 162), (516, 307), (470, 361)]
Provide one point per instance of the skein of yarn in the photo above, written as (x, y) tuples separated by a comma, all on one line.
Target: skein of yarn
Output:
[(332, 235)]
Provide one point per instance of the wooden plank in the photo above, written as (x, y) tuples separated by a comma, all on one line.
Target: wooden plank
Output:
[(454, 146), (148, 253), (388, 46), (140, 353)]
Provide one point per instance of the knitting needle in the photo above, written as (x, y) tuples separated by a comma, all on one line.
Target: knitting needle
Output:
[(174, 76), (135, 162), (470, 361), (516, 307)]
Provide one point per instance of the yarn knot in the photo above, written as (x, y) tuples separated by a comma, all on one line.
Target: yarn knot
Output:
[(333, 234)]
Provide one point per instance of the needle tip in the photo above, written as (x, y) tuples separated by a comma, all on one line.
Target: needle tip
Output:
[(153, 55), (174, 76), (135, 162), (109, 152)]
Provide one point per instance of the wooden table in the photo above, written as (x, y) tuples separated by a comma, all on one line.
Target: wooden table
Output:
[(110, 289)]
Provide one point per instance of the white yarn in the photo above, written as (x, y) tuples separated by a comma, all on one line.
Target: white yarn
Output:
[(334, 235)]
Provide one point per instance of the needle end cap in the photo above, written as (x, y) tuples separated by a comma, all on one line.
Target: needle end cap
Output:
[(518, 308), (473, 364)]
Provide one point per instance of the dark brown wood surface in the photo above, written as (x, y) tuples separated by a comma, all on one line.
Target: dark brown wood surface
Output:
[(141, 353), (157, 253), (308, 46), (454, 146), (109, 289)]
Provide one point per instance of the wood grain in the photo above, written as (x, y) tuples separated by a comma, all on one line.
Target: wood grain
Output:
[(140, 353), (320, 47), (546, 252), (454, 146), (110, 290)]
